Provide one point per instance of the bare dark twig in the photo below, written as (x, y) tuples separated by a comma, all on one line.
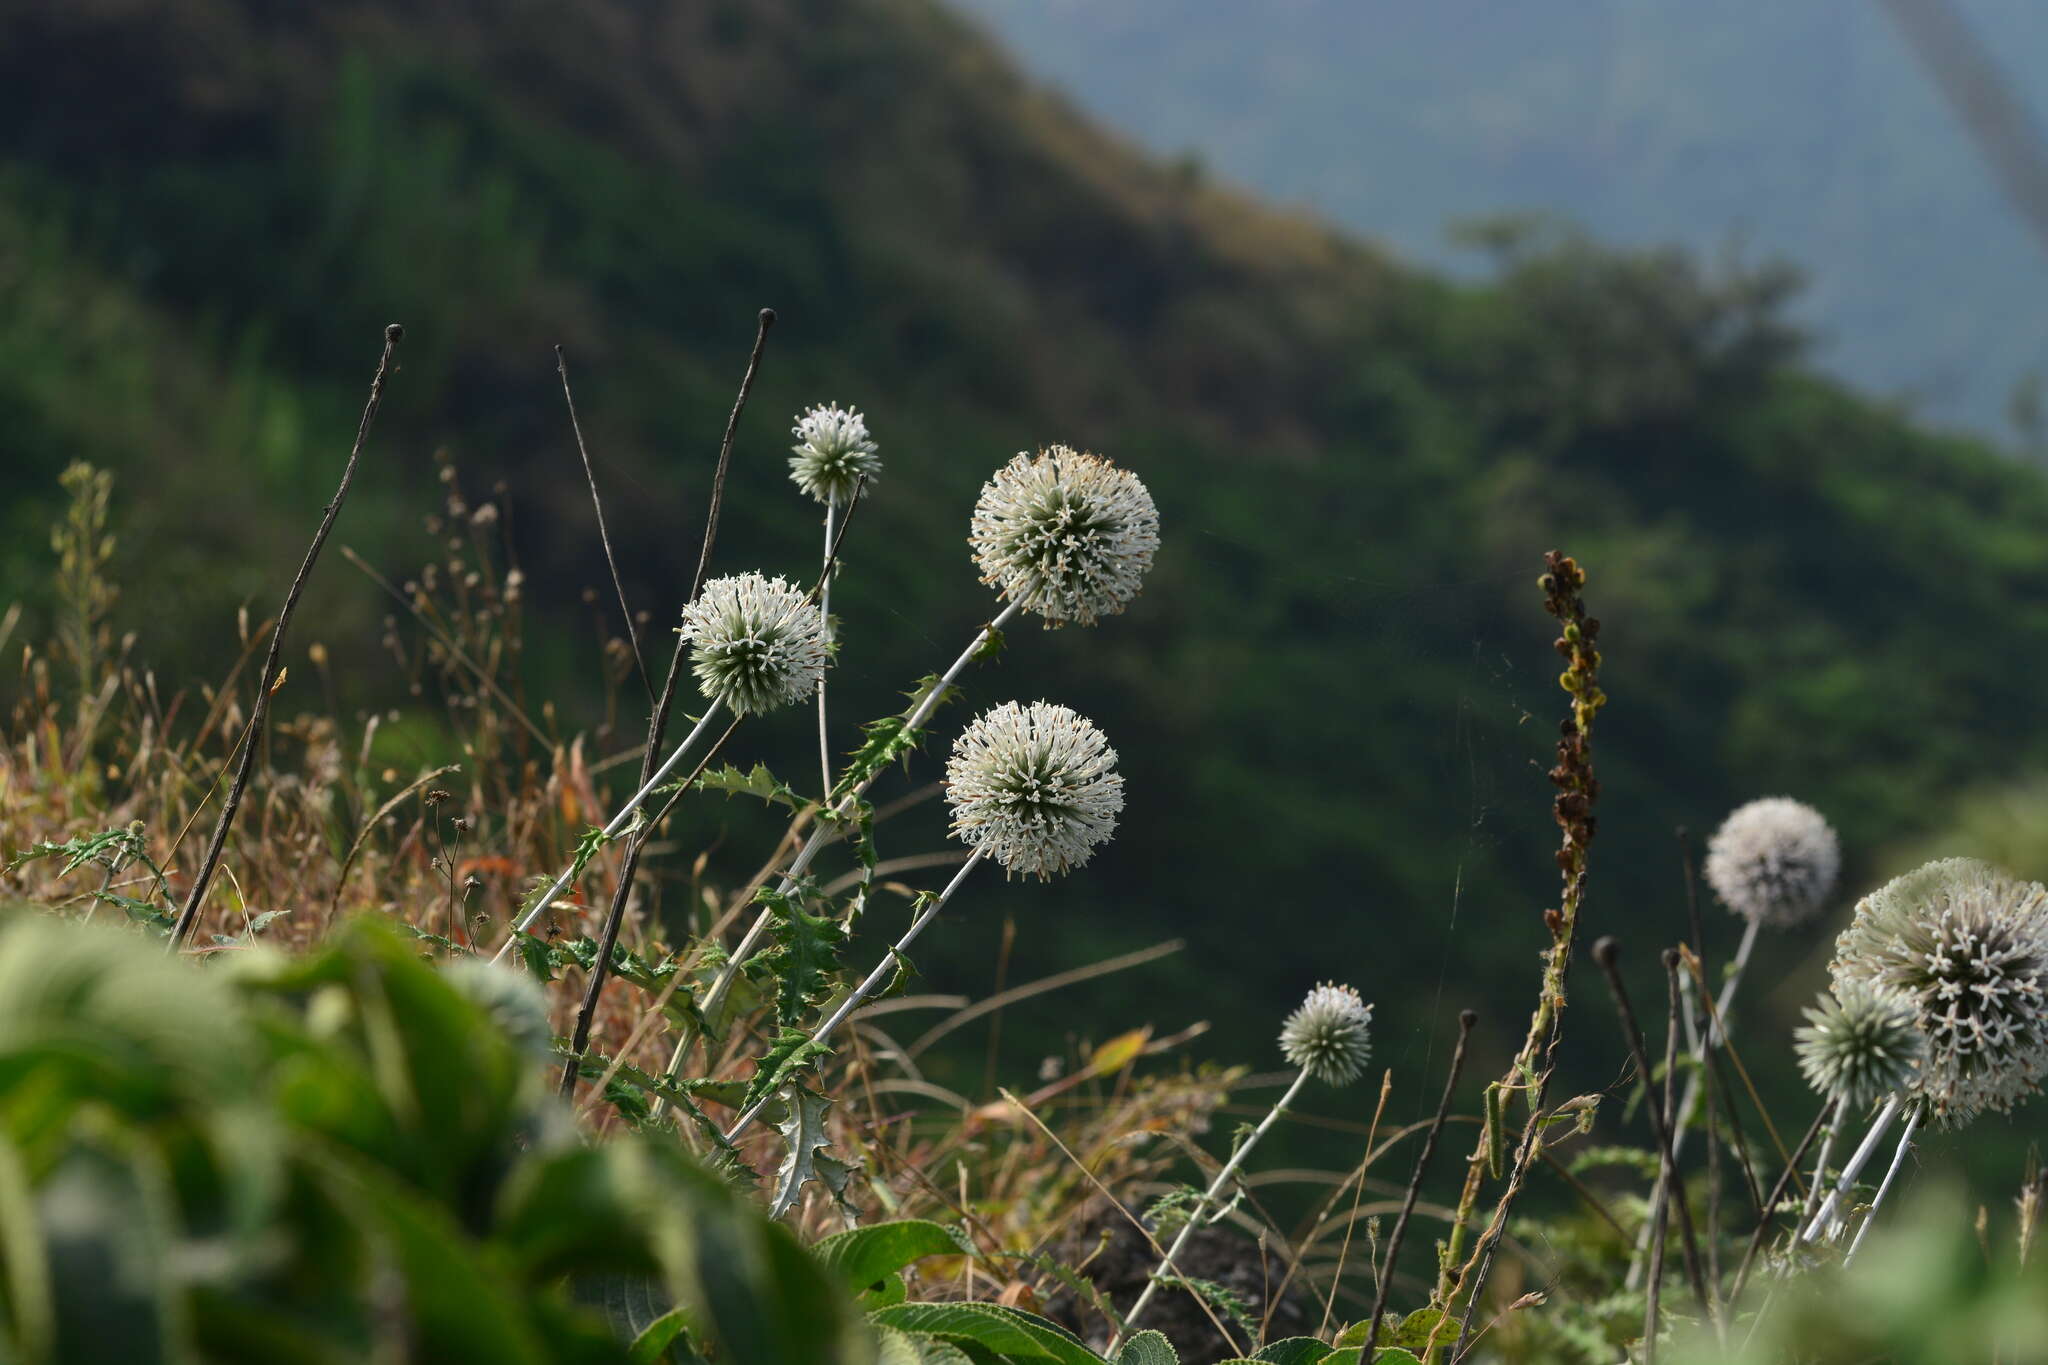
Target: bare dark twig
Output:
[(1466, 1019), (732, 423), (604, 536), (267, 683), (608, 938), (1770, 1214), (657, 725)]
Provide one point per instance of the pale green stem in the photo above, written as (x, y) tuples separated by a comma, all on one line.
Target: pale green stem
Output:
[(872, 984), (611, 830), (1201, 1207), (1820, 1167), (823, 835), (1824, 1218), (1714, 1036), (825, 611), (1891, 1174)]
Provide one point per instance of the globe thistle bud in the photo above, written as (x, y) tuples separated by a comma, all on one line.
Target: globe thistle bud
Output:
[(755, 643), (1066, 535), (833, 453), (1330, 1036), (1035, 787), (1967, 947), (1773, 861), (1861, 1043)]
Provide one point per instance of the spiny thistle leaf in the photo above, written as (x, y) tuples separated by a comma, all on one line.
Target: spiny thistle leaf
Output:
[(760, 784), (803, 1129), (782, 1060), (806, 952)]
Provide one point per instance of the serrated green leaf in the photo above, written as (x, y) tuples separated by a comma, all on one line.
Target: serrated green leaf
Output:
[(803, 1134), (1007, 1331), (760, 784), (1419, 1330), (1295, 1351), (806, 953), (1148, 1348), (789, 1053)]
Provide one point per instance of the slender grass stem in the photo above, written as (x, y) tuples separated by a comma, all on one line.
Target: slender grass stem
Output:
[(1891, 1174), (1466, 1019), (612, 829), (1201, 1207), (868, 987), (1824, 1218)]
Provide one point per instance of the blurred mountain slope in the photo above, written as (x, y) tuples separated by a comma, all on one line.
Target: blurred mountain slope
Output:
[(1803, 129)]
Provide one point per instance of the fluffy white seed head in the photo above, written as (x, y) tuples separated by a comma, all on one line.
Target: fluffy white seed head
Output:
[(1035, 787), (833, 453), (1860, 1043), (755, 643), (1967, 947), (1330, 1036), (1065, 534), (1774, 861)]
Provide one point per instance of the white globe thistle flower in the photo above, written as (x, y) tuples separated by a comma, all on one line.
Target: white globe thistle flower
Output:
[(755, 643), (1860, 1043), (1066, 534), (1967, 947), (1035, 787), (1330, 1036), (1774, 861), (833, 453)]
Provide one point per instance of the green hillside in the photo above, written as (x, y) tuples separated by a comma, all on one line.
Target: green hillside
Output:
[(1335, 699)]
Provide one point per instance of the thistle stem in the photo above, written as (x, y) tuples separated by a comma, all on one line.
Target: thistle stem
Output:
[(826, 829), (611, 830), (869, 986), (825, 610), (1820, 1166), (1824, 1218), (1201, 1207), (1891, 1174)]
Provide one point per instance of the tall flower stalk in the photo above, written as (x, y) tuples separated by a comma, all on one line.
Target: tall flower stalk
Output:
[(1066, 535), (1529, 1073), (1330, 1039), (1034, 787), (833, 458)]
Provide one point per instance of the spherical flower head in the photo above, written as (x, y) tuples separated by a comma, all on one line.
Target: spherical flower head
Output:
[(1967, 947), (833, 453), (1860, 1043), (755, 643), (1330, 1036), (1774, 861), (1035, 787), (1065, 534)]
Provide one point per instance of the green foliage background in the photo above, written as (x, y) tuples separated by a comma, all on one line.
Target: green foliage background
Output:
[(1335, 699)]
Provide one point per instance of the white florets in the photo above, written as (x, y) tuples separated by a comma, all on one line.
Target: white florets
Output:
[(1967, 947), (756, 643), (1035, 787), (1860, 1043), (1066, 535), (1774, 861), (833, 453), (1330, 1036)]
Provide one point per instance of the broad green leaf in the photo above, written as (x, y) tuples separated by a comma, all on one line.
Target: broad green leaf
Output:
[(1295, 1351), (1148, 1348), (1007, 1331), (864, 1256), (1419, 1329)]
